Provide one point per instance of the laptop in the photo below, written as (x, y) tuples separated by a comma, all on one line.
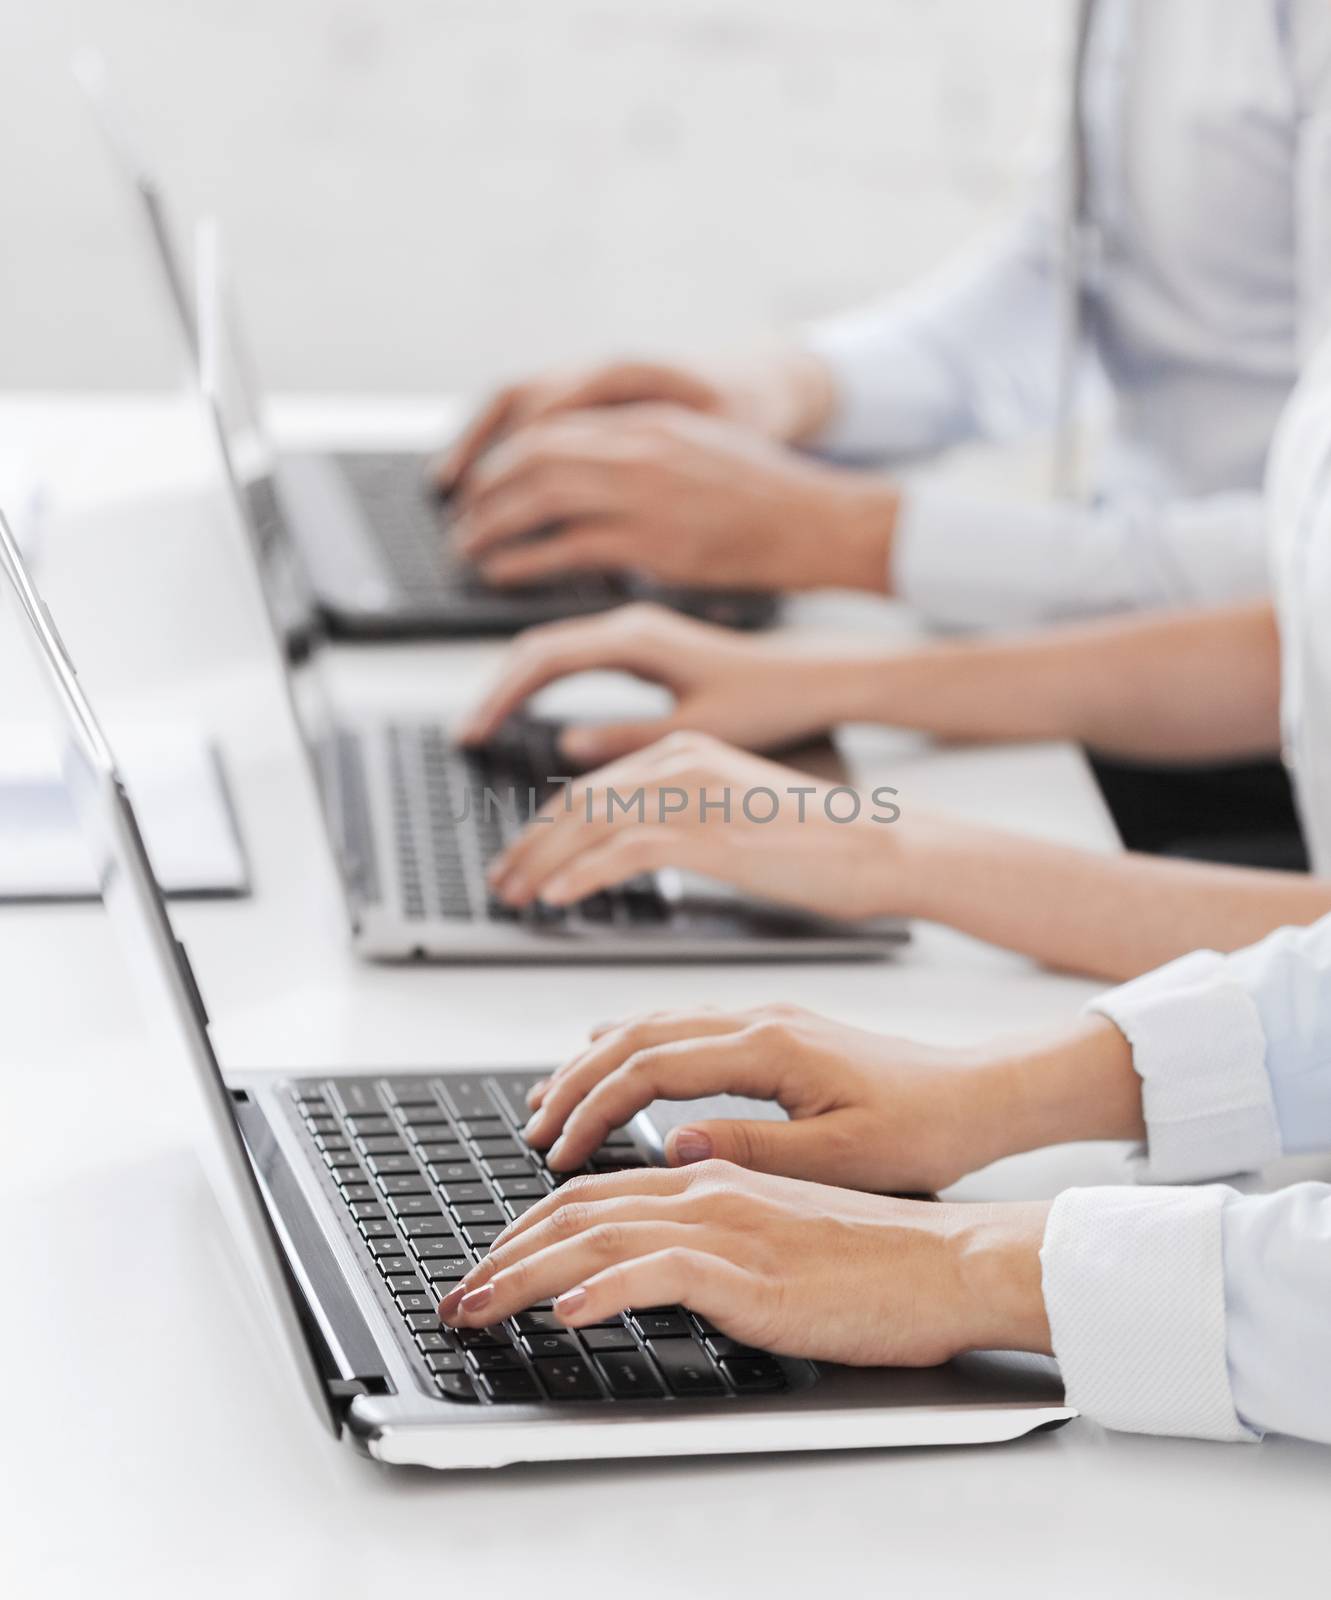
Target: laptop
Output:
[(372, 535), (414, 819), (357, 1199)]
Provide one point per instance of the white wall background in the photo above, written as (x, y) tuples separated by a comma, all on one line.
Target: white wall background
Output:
[(426, 194)]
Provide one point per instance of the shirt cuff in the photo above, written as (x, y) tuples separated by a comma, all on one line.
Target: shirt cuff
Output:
[(896, 399), (1134, 1288), (1200, 1050)]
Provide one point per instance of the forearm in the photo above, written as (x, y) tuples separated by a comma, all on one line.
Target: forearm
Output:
[(1112, 916), (1189, 687)]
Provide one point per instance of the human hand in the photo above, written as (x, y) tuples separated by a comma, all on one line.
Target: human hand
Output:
[(691, 802), (798, 1268), (867, 1111), (783, 395), (749, 691), (684, 497)]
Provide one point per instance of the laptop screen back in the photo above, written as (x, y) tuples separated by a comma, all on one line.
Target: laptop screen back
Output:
[(113, 123), (248, 464), (192, 1080)]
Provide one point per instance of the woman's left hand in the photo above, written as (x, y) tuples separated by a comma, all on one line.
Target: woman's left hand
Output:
[(797, 1268), (690, 801)]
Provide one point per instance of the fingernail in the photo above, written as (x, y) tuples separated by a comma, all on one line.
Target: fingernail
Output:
[(570, 1302), (556, 892), (476, 1299), (532, 1126), (688, 1145), (557, 1152), (537, 1093), (448, 1305)]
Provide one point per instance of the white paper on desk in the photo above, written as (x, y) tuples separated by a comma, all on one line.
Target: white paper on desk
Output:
[(179, 796)]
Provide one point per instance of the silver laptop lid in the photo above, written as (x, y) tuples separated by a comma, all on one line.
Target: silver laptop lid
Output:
[(90, 74), (248, 465), (134, 901)]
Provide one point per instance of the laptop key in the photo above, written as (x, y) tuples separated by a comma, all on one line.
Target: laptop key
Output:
[(519, 1208), (687, 1370), (405, 1283), (446, 1272), (358, 1191), (458, 1194), (498, 1149), (723, 1349), (538, 1322), (511, 1167), (445, 1172), (377, 1228), (437, 1249), (568, 1378), (411, 1091), (754, 1374), (472, 1212), (550, 1344), (599, 1339), (433, 1152), (404, 1183), (445, 1361), (514, 1384), (456, 1385), (433, 1340), (521, 1188), (424, 1321), (382, 1144), (383, 1166), (363, 1210), (414, 1205), (493, 1358), (379, 1122), (629, 1376), (480, 1338), (418, 1301), (483, 1127), (394, 1266), (480, 1236), (662, 1324), (390, 1245), (426, 1227)]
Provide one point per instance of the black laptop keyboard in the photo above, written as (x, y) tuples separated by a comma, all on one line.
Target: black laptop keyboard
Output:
[(429, 1171), (455, 809), (413, 533)]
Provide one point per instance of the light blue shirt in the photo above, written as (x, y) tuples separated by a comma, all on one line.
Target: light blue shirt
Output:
[(1227, 1298), (1208, 137), (1223, 1299)]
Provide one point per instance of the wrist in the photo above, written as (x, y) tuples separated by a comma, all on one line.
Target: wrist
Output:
[(832, 528), (1079, 1085), (994, 1254)]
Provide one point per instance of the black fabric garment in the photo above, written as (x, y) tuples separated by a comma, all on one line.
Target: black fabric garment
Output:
[(1240, 815)]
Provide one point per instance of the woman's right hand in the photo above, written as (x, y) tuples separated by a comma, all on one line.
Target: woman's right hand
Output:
[(866, 1110), (784, 395), (748, 691)]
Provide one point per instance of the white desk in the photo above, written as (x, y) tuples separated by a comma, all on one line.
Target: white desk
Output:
[(149, 1442)]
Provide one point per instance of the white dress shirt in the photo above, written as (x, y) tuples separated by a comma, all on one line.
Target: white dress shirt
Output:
[(1202, 1311), (1207, 130)]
